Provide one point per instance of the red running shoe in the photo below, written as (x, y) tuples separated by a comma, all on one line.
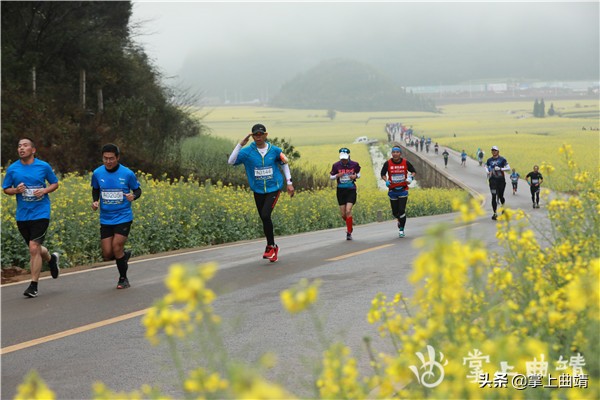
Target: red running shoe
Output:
[(273, 257), (269, 250)]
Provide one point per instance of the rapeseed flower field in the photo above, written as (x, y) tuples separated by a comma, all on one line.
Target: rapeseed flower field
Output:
[(185, 213)]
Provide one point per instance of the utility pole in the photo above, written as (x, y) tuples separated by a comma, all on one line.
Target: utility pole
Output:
[(82, 88), (33, 82)]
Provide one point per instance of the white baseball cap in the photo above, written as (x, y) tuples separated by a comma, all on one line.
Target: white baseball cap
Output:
[(495, 148)]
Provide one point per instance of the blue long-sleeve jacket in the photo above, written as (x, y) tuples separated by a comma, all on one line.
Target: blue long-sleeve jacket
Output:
[(264, 175)]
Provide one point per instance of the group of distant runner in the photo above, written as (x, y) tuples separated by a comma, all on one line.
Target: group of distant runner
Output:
[(115, 187), (496, 167)]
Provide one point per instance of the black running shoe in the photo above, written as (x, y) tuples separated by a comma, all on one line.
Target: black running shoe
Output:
[(53, 264), (495, 216), (30, 292), (123, 283), (348, 236)]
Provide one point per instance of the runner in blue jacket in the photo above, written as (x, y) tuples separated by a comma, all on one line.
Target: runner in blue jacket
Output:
[(263, 163)]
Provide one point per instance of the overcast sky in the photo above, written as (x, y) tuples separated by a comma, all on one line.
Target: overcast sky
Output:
[(252, 47)]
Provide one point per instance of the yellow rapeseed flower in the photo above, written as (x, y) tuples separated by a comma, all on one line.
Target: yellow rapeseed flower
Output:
[(300, 296)]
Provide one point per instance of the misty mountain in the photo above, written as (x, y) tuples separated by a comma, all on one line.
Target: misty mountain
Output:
[(347, 85), (245, 51)]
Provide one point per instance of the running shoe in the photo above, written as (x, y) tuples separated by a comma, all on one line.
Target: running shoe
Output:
[(273, 257), (348, 236), (30, 292), (53, 264), (401, 233), (495, 216), (123, 283), (269, 250)]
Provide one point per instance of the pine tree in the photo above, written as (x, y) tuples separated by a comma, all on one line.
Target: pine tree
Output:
[(536, 108)]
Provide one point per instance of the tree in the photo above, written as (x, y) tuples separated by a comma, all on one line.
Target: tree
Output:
[(288, 149), (61, 39), (542, 109), (551, 111), (331, 113), (536, 108)]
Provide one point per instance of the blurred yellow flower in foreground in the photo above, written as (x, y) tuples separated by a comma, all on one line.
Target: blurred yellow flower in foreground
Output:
[(300, 296)]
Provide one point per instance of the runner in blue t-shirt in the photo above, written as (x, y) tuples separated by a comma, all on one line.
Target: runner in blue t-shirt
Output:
[(263, 161), (463, 158), (26, 178), (114, 187), (514, 179), (346, 172)]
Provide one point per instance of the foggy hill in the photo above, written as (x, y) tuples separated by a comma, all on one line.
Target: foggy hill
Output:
[(347, 85)]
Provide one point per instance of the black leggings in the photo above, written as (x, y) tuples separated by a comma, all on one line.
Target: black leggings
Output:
[(497, 187), (265, 203), (535, 194), (399, 210)]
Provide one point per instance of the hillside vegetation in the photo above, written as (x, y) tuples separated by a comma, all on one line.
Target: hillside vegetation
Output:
[(347, 85), (72, 80)]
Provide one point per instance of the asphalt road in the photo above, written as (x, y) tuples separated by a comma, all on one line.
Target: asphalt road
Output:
[(81, 329)]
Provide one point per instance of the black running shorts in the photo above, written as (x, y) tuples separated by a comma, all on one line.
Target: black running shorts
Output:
[(107, 231), (33, 230), (345, 196)]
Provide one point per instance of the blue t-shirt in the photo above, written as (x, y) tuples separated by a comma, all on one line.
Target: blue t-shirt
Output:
[(34, 176), (264, 175), (114, 207)]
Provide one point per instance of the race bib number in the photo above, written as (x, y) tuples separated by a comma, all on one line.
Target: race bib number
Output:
[(263, 173), (398, 178), (345, 178), (535, 181), (29, 196), (114, 196)]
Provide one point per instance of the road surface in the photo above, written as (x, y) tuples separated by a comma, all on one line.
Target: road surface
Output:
[(81, 329)]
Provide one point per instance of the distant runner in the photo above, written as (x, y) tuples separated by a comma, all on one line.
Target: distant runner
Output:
[(514, 179), (480, 155), (395, 173), (535, 179), (495, 167), (463, 158), (346, 172)]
